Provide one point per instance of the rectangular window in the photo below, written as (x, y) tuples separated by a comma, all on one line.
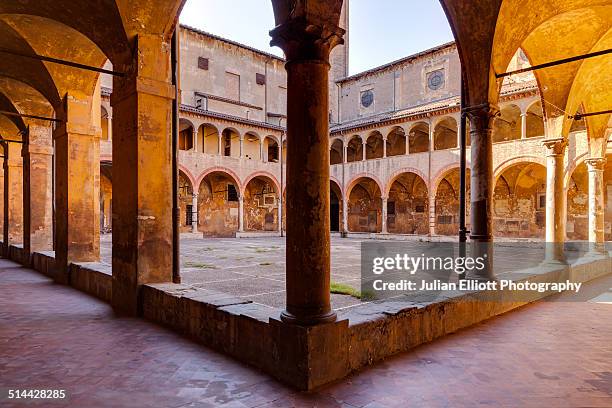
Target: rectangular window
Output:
[(419, 209), (541, 201), (260, 79), (391, 208), (445, 219), (232, 86), (188, 215), (232, 194), (203, 63)]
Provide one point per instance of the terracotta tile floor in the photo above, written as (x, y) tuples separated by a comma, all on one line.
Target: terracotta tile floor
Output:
[(552, 354)]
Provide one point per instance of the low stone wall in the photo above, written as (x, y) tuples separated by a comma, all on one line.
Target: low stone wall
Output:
[(309, 357), (93, 278)]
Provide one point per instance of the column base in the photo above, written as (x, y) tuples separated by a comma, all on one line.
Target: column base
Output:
[(290, 318)]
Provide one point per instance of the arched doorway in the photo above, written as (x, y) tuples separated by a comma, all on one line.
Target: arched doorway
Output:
[(186, 209)]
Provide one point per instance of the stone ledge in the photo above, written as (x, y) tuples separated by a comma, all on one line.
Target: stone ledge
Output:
[(93, 278)]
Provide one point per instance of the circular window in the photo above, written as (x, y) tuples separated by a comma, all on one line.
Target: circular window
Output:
[(435, 80), (367, 98)]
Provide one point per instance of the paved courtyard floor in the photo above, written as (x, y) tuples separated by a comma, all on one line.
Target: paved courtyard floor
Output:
[(254, 268), (549, 354)]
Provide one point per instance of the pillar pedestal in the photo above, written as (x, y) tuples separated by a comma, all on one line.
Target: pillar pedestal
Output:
[(307, 36)]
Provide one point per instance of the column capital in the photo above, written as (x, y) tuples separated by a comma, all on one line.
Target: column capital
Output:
[(555, 146), (596, 163), (485, 111), (307, 30)]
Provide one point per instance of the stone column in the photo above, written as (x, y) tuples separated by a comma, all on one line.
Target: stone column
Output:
[(109, 127), (407, 136), (142, 207), (384, 147), (344, 152), (241, 213), (364, 144), (37, 190), (523, 125), (432, 214), (13, 195), (384, 215), (555, 199), (195, 213), (307, 36), (77, 185), (241, 146), (219, 144), (481, 186), (280, 214), (261, 150), (345, 214), (194, 135), (596, 203)]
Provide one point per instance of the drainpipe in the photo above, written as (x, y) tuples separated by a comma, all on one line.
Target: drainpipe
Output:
[(176, 271), (462, 175)]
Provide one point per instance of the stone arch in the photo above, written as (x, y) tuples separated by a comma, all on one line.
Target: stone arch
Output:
[(396, 142), (401, 171), (445, 133), (229, 171), (354, 149), (218, 203), (364, 204), (354, 180), (446, 200), (261, 195), (230, 142), (262, 174), (336, 151), (535, 120), (251, 146), (515, 160), (186, 131), (374, 145), (418, 137), (508, 125), (271, 149), (408, 204), (208, 138), (519, 199)]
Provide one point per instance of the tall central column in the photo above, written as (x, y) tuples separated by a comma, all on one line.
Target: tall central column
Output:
[(481, 187), (142, 204), (37, 191), (307, 35), (241, 213), (555, 199), (596, 203)]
